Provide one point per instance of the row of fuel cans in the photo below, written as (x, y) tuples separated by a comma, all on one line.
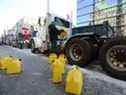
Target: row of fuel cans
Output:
[(74, 77)]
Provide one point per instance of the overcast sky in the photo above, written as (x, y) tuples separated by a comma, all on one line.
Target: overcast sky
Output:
[(12, 10)]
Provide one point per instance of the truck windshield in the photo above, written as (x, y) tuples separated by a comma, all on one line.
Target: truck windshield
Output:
[(62, 22)]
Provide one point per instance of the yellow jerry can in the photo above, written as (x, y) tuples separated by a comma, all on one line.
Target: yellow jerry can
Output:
[(74, 81), (52, 57), (57, 71), (14, 67), (62, 56), (5, 61), (0, 64), (63, 61)]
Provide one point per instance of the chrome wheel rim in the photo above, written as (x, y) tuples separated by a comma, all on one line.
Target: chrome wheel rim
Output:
[(76, 52), (116, 57)]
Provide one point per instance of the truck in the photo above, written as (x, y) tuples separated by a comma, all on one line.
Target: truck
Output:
[(98, 42), (23, 37), (47, 29)]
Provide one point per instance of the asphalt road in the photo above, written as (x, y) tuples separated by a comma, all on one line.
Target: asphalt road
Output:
[(35, 79)]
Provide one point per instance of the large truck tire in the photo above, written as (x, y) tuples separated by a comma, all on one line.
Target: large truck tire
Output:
[(77, 52), (113, 57)]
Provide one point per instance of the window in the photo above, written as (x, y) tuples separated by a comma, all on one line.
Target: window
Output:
[(61, 22), (84, 8)]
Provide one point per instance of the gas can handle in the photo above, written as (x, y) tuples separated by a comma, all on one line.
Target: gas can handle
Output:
[(75, 67)]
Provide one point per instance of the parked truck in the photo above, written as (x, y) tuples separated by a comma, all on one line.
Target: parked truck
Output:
[(45, 35), (98, 42), (23, 37)]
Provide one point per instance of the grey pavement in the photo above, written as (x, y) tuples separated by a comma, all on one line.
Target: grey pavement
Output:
[(35, 79)]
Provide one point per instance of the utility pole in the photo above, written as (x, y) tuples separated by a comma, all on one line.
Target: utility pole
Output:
[(47, 23), (94, 1), (48, 6), (119, 18)]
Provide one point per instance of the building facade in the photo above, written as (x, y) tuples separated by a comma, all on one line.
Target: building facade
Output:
[(98, 11), (83, 12)]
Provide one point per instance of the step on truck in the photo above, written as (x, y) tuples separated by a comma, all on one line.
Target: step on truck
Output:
[(98, 42)]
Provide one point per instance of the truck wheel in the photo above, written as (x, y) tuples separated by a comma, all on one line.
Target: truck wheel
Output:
[(77, 52), (113, 58), (33, 49)]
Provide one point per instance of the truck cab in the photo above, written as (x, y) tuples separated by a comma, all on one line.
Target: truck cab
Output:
[(42, 34)]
